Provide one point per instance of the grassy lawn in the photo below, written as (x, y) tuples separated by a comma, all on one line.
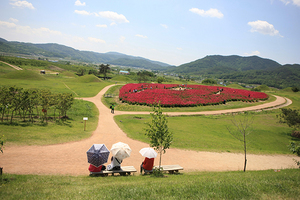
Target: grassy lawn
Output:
[(209, 133), (199, 185), (85, 86)]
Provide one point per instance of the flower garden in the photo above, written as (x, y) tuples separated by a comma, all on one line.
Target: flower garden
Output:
[(174, 95)]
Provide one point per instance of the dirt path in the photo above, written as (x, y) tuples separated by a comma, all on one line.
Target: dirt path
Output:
[(70, 158), (13, 66)]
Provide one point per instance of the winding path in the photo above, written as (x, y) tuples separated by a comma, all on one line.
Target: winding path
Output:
[(70, 158)]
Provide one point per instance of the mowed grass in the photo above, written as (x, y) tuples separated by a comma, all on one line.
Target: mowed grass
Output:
[(210, 133), (199, 185), (85, 86)]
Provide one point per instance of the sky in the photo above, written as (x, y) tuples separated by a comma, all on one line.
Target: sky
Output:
[(170, 31)]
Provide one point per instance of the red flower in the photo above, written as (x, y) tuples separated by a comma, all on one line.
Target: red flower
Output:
[(184, 95)]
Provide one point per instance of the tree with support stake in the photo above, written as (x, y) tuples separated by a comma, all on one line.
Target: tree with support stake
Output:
[(243, 127), (158, 133)]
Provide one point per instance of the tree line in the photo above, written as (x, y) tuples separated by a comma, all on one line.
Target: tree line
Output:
[(26, 104)]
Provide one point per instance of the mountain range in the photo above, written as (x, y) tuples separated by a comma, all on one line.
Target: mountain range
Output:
[(64, 52), (251, 69)]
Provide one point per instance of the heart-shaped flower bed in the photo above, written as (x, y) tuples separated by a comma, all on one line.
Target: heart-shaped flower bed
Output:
[(170, 95)]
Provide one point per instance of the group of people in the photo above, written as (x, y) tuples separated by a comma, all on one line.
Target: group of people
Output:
[(115, 165), (147, 165)]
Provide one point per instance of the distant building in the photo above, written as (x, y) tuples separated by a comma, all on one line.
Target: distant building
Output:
[(124, 72)]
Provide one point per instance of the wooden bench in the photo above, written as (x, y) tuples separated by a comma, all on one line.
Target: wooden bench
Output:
[(171, 168), (124, 170)]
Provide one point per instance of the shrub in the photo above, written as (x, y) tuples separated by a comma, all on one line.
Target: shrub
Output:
[(296, 134), (295, 89)]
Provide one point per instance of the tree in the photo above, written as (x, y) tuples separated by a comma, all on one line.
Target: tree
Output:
[(243, 127), (209, 81), (160, 79), (45, 102), (4, 100), (1, 143), (290, 116), (295, 89), (64, 103), (158, 132), (104, 69), (81, 71)]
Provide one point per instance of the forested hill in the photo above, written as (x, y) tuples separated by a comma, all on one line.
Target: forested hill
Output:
[(217, 64), (251, 70), (281, 77), (64, 52)]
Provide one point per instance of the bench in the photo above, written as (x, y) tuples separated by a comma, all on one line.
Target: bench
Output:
[(124, 170), (171, 168), (108, 95)]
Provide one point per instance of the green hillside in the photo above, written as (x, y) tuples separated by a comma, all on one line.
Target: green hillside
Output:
[(281, 77), (64, 52), (224, 64)]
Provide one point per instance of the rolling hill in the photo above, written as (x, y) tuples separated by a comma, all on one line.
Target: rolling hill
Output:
[(64, 52), (217, 64)]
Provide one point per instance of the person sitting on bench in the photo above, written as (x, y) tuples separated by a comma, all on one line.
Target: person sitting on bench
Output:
[(147, 165), (115, 164), (92, 168)]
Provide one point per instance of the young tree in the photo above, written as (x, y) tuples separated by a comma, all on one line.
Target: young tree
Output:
[(243, 127), (4, 100), (1, 143), (64, 103), (45, 102), (158, 132)]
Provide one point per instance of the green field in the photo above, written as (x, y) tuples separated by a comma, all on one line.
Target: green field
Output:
[(209, 133), (198, 185)]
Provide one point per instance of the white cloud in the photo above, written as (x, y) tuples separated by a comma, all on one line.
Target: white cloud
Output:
[(101, 25), (96, 40), (44, 30), (28, 30), (209, 13), (82, 12), (178, 48), (13, 20), (78, 3), (295, 2), (122, 39), (164, 25), (263, 27), (113, 16), (113, 23), (24, 4), (7, 24), (253, 53), (141, 36)]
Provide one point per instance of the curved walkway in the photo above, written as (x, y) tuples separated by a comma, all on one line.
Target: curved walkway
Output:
[(70, 158)]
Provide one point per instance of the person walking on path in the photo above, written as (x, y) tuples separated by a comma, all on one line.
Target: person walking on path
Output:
[(112, 108)]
